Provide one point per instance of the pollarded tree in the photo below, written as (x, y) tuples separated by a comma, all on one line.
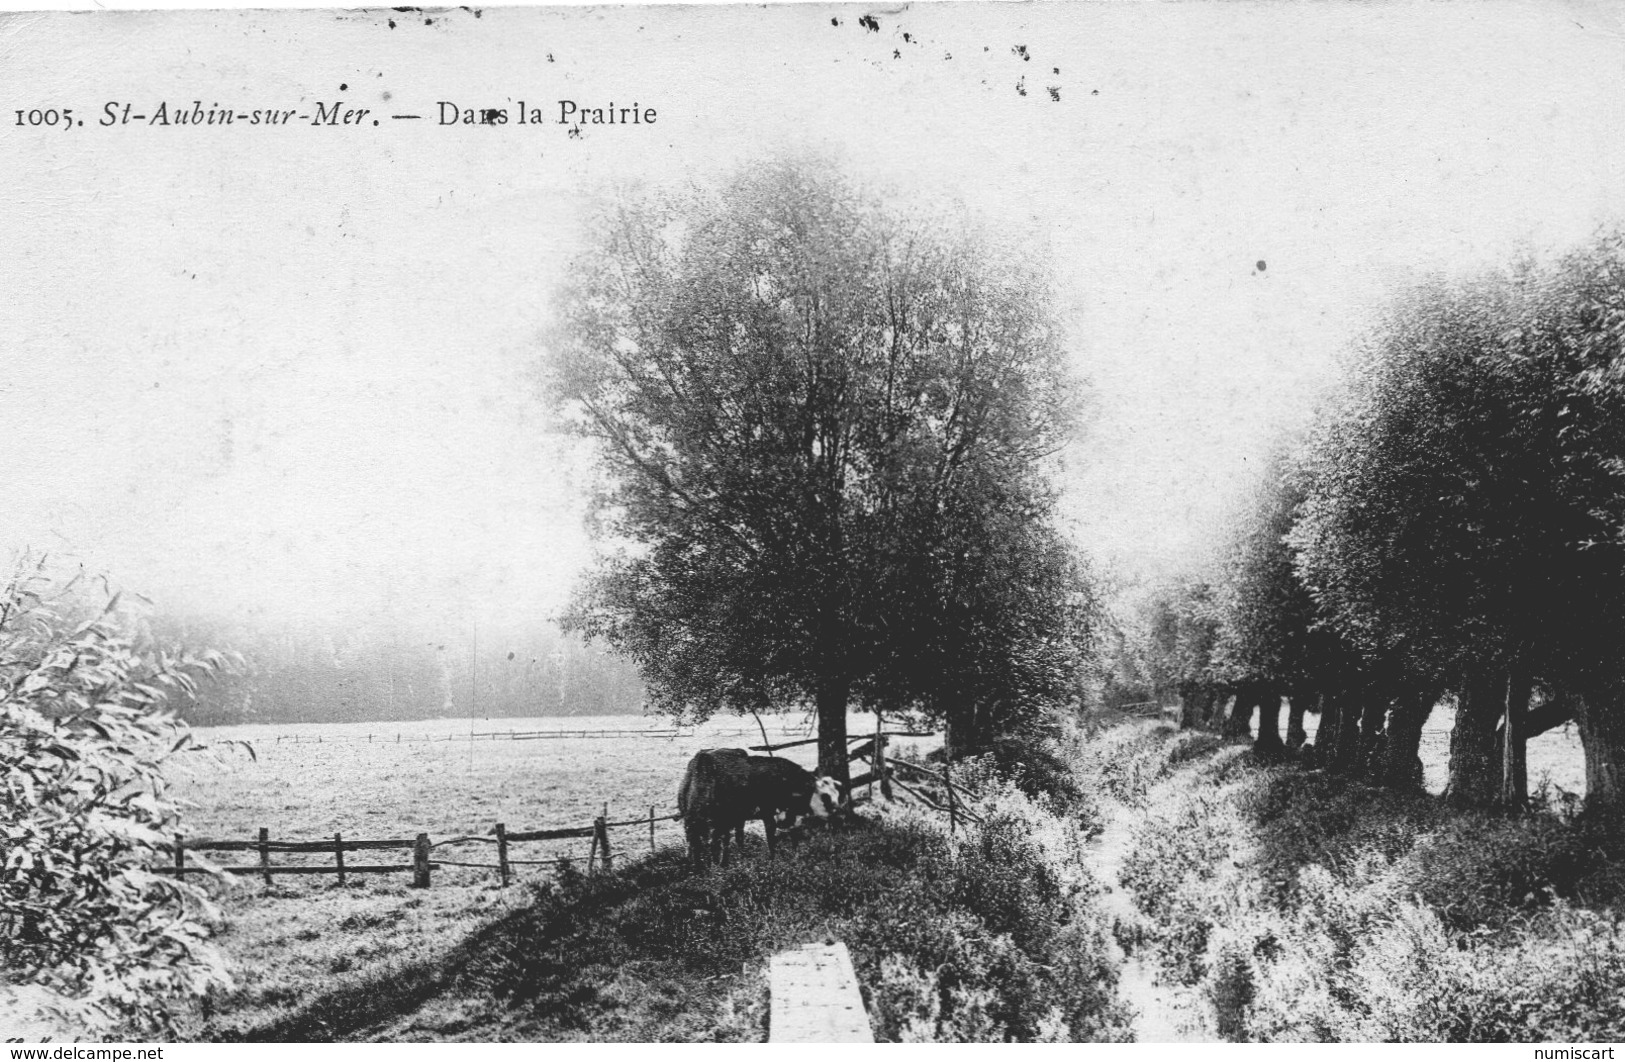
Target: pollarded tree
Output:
[(1572, 330), (1264, 649), (810, 409), (1273, 644), (1466, 508), (1402, 541)]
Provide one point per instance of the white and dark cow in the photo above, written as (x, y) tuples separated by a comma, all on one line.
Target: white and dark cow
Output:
[(723, 788)]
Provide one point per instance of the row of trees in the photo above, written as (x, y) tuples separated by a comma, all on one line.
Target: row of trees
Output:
[(826, 428), (1454, 528)]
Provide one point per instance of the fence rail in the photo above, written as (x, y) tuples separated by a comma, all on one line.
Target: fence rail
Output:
[(423, 859)]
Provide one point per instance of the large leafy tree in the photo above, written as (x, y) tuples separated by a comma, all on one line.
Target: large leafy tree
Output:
[(824, 425)]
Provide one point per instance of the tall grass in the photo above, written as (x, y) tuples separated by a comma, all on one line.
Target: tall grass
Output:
[(1307, 907)]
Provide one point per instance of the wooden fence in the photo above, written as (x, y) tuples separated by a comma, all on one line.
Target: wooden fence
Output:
[(421, 847), (950, 797)]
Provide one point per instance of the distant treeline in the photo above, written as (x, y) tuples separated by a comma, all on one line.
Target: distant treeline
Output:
[(354, 676)]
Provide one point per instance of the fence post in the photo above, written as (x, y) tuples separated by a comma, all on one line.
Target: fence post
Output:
[(651, 829), (502, 853), (265, 853), (180, 858), (603, 842), (420, 862), (948, 783), (338, 852)]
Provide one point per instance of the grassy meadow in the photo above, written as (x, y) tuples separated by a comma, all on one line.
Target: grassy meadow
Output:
[(424, 782)]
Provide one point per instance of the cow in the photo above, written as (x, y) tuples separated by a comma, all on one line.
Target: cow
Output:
[(723, 788)]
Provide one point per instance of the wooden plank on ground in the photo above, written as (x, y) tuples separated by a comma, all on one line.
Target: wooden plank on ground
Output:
[(814, 998)]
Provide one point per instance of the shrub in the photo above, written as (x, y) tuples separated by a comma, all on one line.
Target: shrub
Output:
[(1410, 978), (1480, 869), (82, 741), (1184, 869), (1126, 761), (1042, 769), (1231, 987)]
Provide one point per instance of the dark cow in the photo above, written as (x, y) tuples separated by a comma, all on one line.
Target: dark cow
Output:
[(723, 788)]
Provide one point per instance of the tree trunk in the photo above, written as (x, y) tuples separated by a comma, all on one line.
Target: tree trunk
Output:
[(1238, 724), (1195, 706), (1514, 741), (1402, 761), (1346, 753), (1296, 735), (1213, 709), (1331, 716), (832, 761), (1373, 720), (1600, 713), (1474, 769), (1268, 740)]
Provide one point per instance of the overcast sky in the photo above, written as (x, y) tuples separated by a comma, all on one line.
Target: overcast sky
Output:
[(285, 369)]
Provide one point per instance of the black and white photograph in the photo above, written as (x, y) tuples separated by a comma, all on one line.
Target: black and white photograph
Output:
[(810, 523)]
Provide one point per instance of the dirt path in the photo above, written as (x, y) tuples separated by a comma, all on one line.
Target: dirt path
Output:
[(1165, 1013)]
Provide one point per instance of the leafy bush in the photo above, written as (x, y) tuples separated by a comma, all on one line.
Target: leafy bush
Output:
[(1402, 975), (82, 741), (1045, 768), (1480, 869), (1041, 769), (1232, 986), (1126, 761), (1182, 868)]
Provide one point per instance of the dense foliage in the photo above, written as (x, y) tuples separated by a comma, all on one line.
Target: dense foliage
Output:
[(83, 737)]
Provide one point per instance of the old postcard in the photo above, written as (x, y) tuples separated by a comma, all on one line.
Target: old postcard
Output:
[(942, 522)]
